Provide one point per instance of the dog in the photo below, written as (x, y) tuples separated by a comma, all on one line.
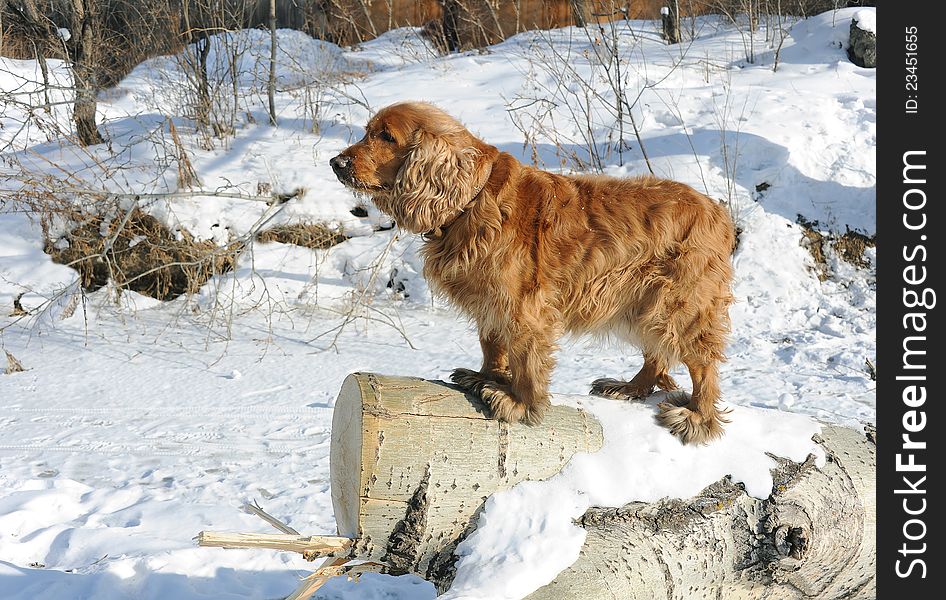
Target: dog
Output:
[(531, 255)]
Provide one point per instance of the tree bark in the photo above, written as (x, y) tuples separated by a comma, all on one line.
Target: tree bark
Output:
[(814, 537), (413, 461), (41, 34), (451, 24), (84, 51), (578, 13)]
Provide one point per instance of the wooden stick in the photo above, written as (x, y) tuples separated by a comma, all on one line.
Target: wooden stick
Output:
[(332, 568), (312, 582), (257, 510), (310, 546)]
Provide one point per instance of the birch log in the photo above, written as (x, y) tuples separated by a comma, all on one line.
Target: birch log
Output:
[(413, 461), (813, 537)]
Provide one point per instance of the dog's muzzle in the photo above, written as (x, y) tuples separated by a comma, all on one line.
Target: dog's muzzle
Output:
[(342, 167)]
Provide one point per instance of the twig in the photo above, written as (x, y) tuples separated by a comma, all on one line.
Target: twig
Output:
[(331, 568), (257, 510)]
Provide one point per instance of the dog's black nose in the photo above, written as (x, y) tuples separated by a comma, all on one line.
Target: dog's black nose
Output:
[(340, 164)]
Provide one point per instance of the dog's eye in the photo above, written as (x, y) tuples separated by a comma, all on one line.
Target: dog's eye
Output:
[(387, 137)]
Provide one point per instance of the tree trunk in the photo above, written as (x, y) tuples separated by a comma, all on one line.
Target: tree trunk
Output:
[(40, 35), (578, 13), (83, 48), (413, 461), (814, 537), (670, 17), (271, 88), (451, 24)]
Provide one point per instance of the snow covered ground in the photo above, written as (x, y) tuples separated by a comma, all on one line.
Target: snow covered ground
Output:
[(136, 424)]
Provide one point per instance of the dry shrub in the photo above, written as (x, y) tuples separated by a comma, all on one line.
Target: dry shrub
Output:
[(310, 235), (143, 256), (186, 174), (850, 246), (813, 240)]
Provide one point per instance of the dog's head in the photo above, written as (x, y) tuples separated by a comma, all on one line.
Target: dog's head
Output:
[(418, 164)]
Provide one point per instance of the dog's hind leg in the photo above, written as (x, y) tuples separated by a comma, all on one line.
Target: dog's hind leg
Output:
[(695, 419), (652, 375)]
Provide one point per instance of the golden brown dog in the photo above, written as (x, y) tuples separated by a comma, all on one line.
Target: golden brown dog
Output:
[(531, 255)]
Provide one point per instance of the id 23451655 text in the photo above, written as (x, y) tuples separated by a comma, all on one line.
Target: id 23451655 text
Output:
[(911, 79)]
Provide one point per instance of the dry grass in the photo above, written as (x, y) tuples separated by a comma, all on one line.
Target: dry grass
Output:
[(813, 240), (142, 255), (316, 236), (13, 365), (850, 246)]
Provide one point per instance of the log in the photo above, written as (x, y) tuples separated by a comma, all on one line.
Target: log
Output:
[(813, 537), (413, 461)]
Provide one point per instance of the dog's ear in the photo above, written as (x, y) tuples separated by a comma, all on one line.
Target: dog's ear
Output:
[(436, 181)]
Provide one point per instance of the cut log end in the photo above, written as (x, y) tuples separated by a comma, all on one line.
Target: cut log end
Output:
[(345, 456)]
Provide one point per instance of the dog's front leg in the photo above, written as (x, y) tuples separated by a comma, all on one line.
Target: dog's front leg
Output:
[(530, 366), (495, 357), (495, 370), (495, 362), (514, 379)]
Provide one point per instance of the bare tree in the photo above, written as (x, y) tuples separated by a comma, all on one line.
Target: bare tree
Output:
[(596, 89), (271, 87), (670, 15), (82, 46), (3, 9), (451, 23), (84, 49), (578, 12), (212, 63), (40, 33)]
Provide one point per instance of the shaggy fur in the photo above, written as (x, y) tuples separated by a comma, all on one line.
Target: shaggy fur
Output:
[(531, 255)]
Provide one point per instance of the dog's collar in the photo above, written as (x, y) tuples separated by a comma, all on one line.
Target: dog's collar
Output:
[(436, 232), (481, 187)]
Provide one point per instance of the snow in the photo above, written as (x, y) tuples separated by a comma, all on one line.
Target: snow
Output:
[(137, 423), (866, 20)]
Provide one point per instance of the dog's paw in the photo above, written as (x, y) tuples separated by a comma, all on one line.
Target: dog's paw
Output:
[(621, 390), (497, 396), (468, 379), (504, 407), (687, 424)]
